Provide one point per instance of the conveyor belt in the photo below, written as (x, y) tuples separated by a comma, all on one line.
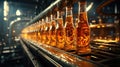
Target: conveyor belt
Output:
[(109, 57), (101, 56), (65, 59)]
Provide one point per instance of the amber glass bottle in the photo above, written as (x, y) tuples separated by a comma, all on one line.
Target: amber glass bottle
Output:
[(42, 31), (46, 29), (39, 33), (60, 33), (48, 38), (83, 30), (35, 32), (48, 33), (69, 31), (53, 31)]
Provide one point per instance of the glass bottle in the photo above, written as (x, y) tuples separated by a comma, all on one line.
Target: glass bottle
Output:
[(48, 38), (45, 30), (60, 33), (39, 33), (83, 30), (35, 32), (69, 31), (53, 31), (42, 31), (48, 33)]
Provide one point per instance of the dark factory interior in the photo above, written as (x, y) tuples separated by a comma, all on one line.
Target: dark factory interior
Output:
[(59, 33)]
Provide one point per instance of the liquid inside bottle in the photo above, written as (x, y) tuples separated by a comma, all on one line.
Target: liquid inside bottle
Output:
[(35, 31), (39, 32), (69, 32), (47, 32), (83, 30), (53, 31), (42, 32), (60, 33)]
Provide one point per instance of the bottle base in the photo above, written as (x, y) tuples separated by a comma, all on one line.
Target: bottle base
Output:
[(88, 51)]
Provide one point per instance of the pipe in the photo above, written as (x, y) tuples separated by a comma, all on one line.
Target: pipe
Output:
[(44, 12), (10, 29)]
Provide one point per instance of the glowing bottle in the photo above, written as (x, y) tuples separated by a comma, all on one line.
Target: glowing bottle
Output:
[(69, 31), (83, 30), (47, 29), (53, 31), (60, 33)]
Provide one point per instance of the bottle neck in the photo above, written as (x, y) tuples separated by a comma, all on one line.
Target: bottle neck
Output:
[(69, 17), (68, 11), (60, 18), (82, 7), (53, 23), (60, 22), (82, 15), (58, 14)]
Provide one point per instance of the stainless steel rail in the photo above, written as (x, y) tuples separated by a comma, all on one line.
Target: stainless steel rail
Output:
[(61, 57), (40, 53), (44, 55), (30, 55), (40, 15)]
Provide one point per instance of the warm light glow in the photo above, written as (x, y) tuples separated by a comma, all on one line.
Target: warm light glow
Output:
[(18, 18), (5, 18), (89, 7), (18, 13), (104, 40), (5, 13), (13, 31), (92, 25), (93, 21), (103, 25), (98, 26), (6, 10)]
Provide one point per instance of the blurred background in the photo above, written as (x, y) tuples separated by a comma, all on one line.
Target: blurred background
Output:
[(103, 17)]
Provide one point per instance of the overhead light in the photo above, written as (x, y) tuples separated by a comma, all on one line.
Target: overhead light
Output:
[(89, 6), (18, 18), (18, 13), (6, 8), (5, 18)]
